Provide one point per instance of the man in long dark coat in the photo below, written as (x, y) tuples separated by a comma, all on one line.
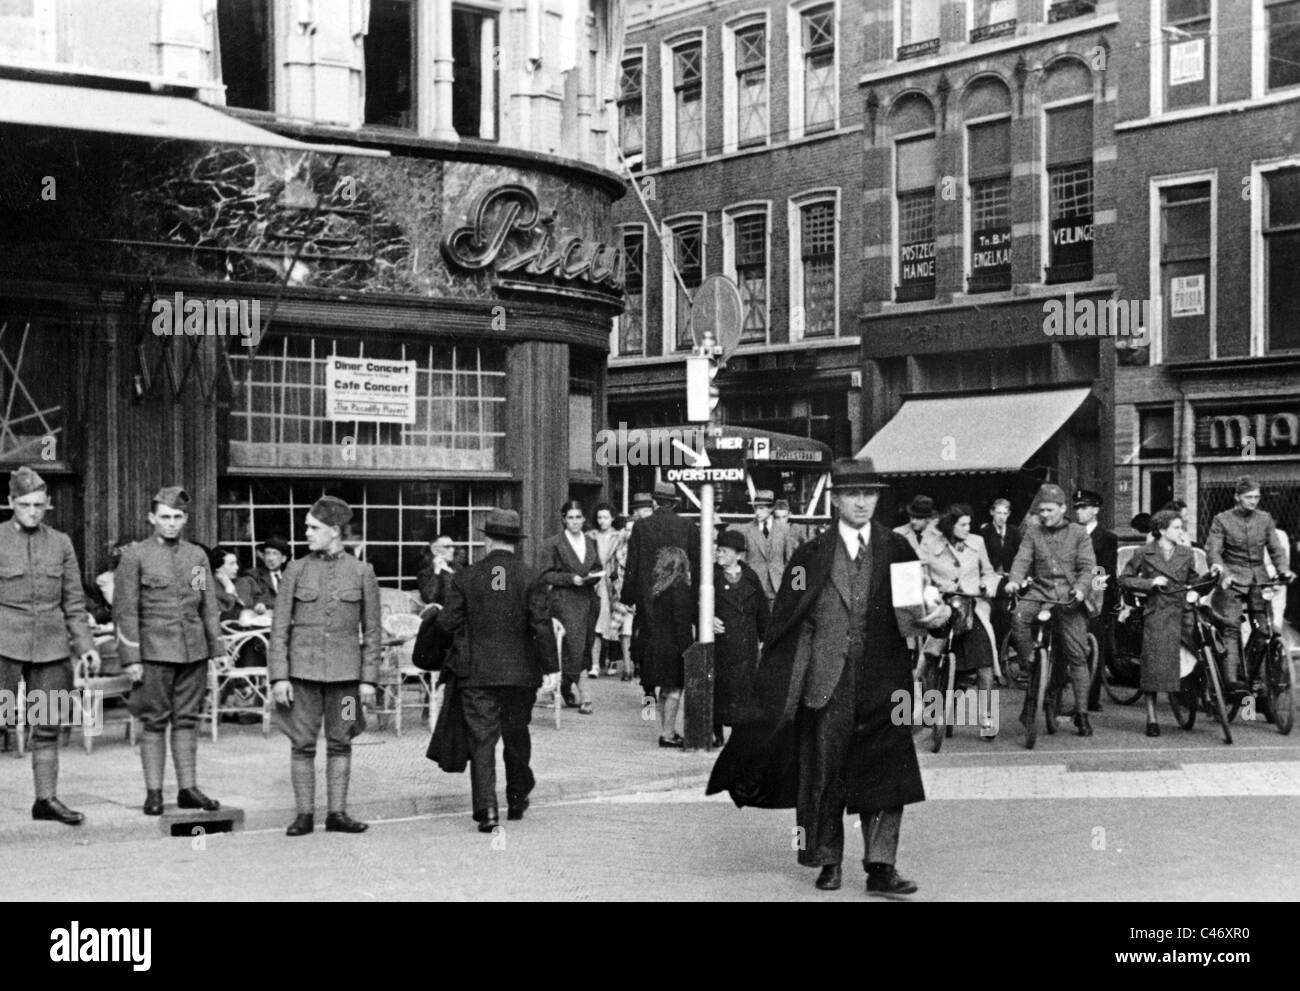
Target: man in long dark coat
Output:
[(826, 739)]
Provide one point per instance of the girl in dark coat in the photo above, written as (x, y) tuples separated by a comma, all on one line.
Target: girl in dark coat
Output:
[(667, 632), (570, 564), (740, 620), (1167, 622)]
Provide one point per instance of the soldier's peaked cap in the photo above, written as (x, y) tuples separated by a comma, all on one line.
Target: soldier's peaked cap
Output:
[(171, 496), (24, 481)]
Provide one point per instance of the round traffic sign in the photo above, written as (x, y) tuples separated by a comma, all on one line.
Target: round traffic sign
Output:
[(716, 308)]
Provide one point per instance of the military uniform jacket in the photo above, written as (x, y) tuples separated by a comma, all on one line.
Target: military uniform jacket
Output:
[(165, 604), (1237, 543), (1062, 558), (327, 621), (42, 605)]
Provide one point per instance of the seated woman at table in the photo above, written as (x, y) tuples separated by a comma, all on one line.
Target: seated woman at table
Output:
[(225, 568)]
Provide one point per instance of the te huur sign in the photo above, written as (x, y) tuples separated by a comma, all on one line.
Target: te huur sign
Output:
[(958, 328), (1234, 431)]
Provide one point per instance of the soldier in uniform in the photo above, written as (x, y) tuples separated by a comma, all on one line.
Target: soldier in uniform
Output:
[(41, 609), (165, 608), (320, 671)]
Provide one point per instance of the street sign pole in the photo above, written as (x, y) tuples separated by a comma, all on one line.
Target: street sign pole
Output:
[(698, 660)]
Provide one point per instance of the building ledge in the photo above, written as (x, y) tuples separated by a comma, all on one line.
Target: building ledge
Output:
[(1217, 366), (742, 352)]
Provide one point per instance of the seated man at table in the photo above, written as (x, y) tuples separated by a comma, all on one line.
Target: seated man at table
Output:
[(259, 587)]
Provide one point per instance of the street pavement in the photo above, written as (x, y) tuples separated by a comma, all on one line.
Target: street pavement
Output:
[(1116, 816)]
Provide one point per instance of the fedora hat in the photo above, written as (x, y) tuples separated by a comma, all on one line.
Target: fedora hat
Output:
[(856, 473), (763, 497), (276, 543), (665, 491), (921, 508), (504, 524), (643, 500)]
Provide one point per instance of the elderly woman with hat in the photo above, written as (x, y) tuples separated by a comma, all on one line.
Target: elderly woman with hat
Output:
[(740, 619), (324, 662)]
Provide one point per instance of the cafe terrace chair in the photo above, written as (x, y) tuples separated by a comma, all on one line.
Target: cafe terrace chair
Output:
[(223, 673), (117, 685), (400, 616)]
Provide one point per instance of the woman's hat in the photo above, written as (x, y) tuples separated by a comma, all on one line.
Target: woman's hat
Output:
[(733, 539), (921, 508), (504, 524)]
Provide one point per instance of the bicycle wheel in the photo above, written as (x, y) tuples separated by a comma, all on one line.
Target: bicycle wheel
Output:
[(1186, 701), (1034, 691), (1215, 698), (1116, 691), (940, 678), (1279, 678)]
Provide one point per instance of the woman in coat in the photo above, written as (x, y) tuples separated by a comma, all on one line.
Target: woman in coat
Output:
[(666, 633), (1167, 623), (607, 538), (225, 569), (740, 619), (958, 562), (570, 564)]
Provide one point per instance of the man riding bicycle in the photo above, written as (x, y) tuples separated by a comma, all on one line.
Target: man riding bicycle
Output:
[(1058, 555), (1235, 549)]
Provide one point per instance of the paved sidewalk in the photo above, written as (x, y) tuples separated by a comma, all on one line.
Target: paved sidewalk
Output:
[(612, 752)]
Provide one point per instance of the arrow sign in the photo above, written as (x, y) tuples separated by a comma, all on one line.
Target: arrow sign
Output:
[(699, 459)]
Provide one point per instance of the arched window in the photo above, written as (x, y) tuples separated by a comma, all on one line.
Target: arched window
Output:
[(911, 127), (986, 110), (1067, 126)]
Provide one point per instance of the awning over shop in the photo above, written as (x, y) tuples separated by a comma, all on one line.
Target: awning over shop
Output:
[(151, 115), (962, 434)]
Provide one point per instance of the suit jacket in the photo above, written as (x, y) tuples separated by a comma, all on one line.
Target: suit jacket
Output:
[(433, 584), (257, 587), (759, 766), (327, 627), (1105, 548), (662, 528), (1001, 550), (42, 605), (499, 606), (165, 604), (769, 555)]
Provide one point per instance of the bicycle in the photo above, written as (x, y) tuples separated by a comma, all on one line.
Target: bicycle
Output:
[(942, 674), (1043, 666), (1265, 653), (1121, 675), (1202, 687)]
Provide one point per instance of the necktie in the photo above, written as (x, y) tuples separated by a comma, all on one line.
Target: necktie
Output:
[(862, 552), (275, 581), (767, 529)]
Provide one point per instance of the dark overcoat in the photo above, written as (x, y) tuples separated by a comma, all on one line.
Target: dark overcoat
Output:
[(1105, 547), (744, 612), (1167, 621), (759, 766), (669, 624), (662, 528), (575, 606)]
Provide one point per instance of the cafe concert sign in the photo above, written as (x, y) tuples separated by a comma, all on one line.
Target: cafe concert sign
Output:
[(369, 389)]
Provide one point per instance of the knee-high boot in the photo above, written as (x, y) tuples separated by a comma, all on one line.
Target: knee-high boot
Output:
[(153, 757), (338, 768), (302, 772), (45, 769), (185, 754)]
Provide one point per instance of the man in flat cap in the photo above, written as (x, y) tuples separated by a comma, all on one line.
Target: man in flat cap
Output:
[(166, 613), (1105, 547), (769, 544), (498, 611), (323, 663), (1058, 555), (1239, 539), (42, 611), (260, 587), (824, 737)]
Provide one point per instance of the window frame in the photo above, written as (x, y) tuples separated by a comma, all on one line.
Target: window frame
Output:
[(896, 263), (1156, 332), (637, 53), (275, 46), (616, 339), (796, 68), (1258, 255), (1158, 48), (495, 12), (972, 27), (1045, 183), (1259, 87), (731, 84), (668, 94), (668, 281), (968, 200), (794, 222), (1049, 4), (898, 32), (740, 211)]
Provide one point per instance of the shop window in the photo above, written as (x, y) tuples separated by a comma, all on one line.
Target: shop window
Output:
[(1283, 43), (815, 310), (631, 325), (392, 520), (631, 109), (1282, 259), (390, 64), (918, 27), (687, 244), (688, 100), (914, 181), (1187, 51), (1185, 271), (992, 19), (748, 253), (989, 164), (246, 37), (285, 414), (1156, 433), (819, 83), (474, 73), (750, 105), (1069, 193)]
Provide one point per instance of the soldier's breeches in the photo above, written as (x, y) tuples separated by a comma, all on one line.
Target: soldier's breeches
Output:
[(337, 704), (48, 688), (170, 693)]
